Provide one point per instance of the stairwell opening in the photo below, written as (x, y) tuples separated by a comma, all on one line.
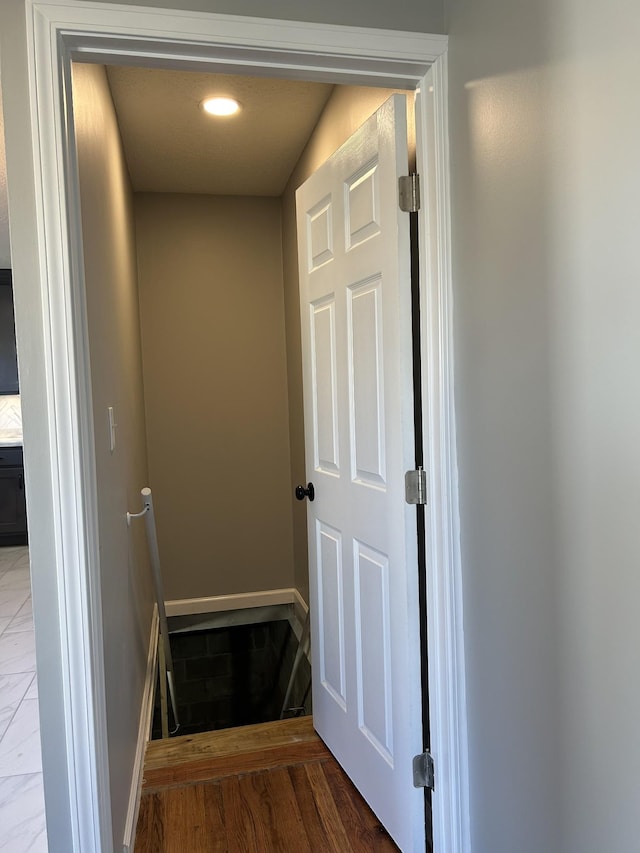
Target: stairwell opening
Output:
[(233, 669)]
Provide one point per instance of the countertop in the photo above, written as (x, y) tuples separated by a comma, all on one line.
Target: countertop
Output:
[(10, 420), (10, 438)]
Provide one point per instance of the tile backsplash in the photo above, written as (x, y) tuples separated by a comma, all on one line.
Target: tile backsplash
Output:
[(10, 412)]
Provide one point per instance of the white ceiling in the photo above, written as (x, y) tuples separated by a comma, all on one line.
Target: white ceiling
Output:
[(171, 145)]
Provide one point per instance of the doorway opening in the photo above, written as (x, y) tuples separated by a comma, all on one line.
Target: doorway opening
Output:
[(237, 673), (216, 409), (208, 279)]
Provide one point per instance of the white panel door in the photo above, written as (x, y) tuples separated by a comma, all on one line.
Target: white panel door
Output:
[(355, 293)]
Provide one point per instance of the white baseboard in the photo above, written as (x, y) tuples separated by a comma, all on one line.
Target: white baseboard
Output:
[(144, 731), (239, 601)]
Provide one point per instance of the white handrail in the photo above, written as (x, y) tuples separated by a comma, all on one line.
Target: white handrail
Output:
[(152, 539)]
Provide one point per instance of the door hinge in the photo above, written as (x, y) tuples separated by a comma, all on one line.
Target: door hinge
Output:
[(423, 771), (409, 193), (415, 487)]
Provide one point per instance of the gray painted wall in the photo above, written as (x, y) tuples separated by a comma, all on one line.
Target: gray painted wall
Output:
[(592, 239), (108, 235), (425, 16), (500, 205), (215, 386), (545, 132)]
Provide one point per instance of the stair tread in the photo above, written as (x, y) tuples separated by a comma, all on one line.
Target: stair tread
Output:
[(229, 742)]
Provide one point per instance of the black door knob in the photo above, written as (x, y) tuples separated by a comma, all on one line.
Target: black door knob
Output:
[(302, 493)]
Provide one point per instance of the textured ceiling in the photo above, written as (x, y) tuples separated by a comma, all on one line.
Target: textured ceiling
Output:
[(171, 145)]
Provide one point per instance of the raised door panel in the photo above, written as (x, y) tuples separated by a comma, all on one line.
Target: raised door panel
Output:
[(362, 205), (331, 604), (323, 370), (373, 648), (366, 390), (320, 234)]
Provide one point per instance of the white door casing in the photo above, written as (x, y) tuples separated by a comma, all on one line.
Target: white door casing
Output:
[(39, 42), (355, 297)]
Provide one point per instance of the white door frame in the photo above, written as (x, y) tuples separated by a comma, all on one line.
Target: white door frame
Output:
[(61, 30)]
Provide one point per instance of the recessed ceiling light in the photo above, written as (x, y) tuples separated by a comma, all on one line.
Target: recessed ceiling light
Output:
[(220, 106)]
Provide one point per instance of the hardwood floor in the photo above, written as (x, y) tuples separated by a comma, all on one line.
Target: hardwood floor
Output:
[(256, 789)]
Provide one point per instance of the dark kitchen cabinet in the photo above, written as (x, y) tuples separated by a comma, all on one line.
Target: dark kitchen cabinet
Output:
[(8, 359), (13, 513), (13, 509)]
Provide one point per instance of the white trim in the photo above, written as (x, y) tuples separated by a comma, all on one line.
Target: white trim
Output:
[(144, 731), (72, 449), (298, 618), (237, 601), (243, 601), (58, 30), (447, 702), (300, 606), (112, 33)]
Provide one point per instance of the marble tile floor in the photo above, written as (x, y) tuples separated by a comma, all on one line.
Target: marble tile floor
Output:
[(22, 821)]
